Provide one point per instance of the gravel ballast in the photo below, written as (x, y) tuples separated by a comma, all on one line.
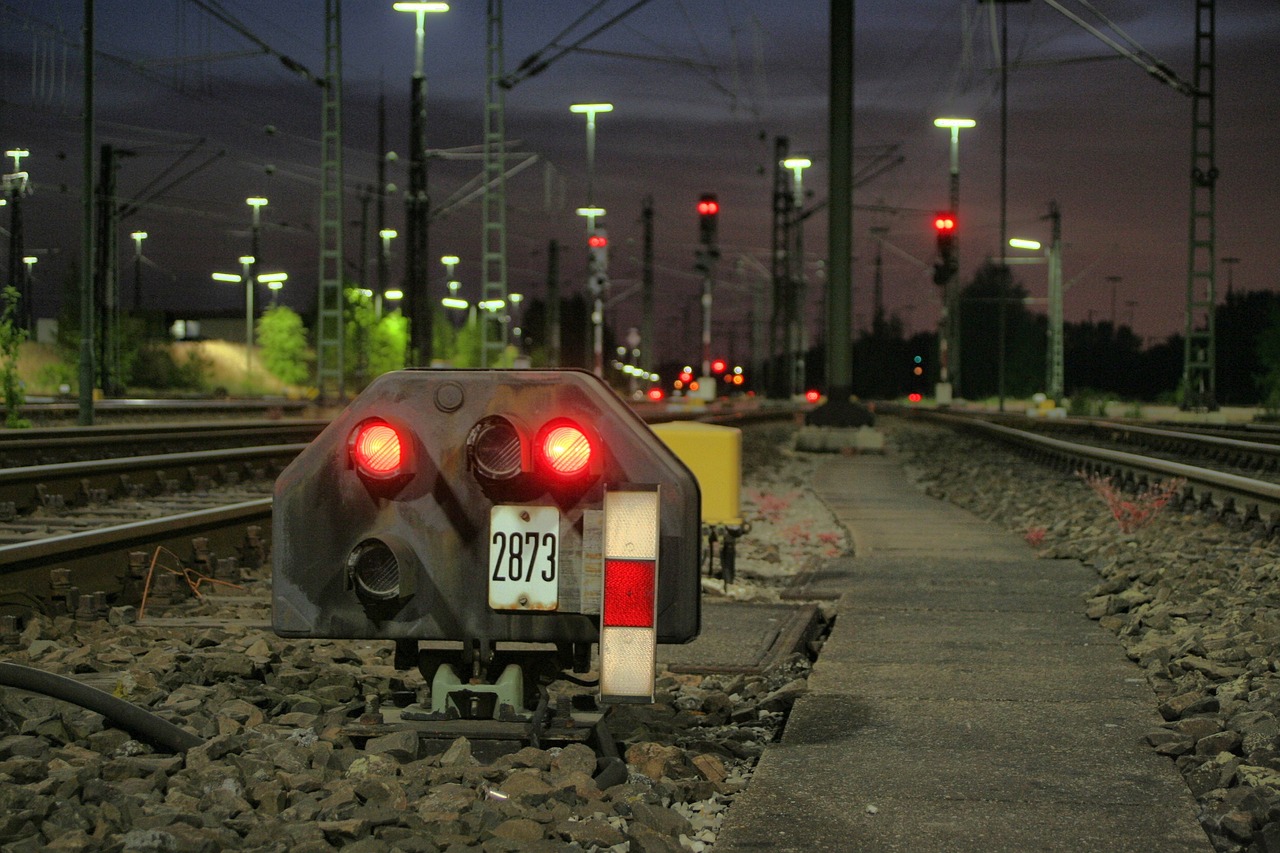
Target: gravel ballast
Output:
[(277, 772)]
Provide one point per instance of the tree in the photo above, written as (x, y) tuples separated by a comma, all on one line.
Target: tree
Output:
[(11, 337), (388, 343), (283, 341), (1269, 358), (1025, 337)]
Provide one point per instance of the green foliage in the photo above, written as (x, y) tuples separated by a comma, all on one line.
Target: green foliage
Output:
[(11, 338), (373, 345), (1087, 403), (388, 343), (156, 369), (58, 374), (1268, 351), (283, 342)]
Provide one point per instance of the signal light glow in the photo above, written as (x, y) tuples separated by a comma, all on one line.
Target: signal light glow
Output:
[(812, 396), (718, 366), (655, 394), (944, 223), (915, 397), (376, 449), (597, 241), (708, 207), (566, 449)]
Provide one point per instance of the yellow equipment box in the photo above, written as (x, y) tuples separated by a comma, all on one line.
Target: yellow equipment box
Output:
[(714, 455)]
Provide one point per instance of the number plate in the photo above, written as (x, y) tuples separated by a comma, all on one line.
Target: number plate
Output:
[(524, 557)]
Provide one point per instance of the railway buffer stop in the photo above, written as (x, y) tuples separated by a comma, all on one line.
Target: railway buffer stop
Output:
[(496, 525)]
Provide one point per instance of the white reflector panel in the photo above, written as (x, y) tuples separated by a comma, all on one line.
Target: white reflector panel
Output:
[(628, 662), (631, 525)]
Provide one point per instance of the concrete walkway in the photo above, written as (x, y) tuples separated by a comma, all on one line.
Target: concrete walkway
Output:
[(963, 701)]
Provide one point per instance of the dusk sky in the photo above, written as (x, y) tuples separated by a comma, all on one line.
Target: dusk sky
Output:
[(701, 89)]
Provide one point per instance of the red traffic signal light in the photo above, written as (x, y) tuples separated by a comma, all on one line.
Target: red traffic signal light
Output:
[(708, 206), (597, 241), (491, 509), (944, 223), (718, 366), (376, 450)]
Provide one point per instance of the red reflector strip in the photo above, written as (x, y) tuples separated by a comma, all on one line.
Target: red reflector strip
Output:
[(629, 593)]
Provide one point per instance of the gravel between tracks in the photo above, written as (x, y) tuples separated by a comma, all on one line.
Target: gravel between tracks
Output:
[(276, 773)]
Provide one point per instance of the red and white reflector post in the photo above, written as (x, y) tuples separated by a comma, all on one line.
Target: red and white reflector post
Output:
[(628, 612)]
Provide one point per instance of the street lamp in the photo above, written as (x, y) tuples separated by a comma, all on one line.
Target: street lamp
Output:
[(273, 280), (387, 235), (949, 340), (17, 184), (257, 203), (597, 280), (246, 263), (417, 203), (1055, 378), (796, 342), (590, 111), (138, 237), (30, 261)]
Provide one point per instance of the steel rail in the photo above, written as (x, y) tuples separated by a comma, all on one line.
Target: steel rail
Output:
[(1260, 499), (65, 483), (116, 560), (47, 445)]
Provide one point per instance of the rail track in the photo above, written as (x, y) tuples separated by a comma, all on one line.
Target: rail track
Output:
[(1234, 478)]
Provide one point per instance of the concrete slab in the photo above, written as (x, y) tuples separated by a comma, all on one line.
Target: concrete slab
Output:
[(963, 702), (742, 637)]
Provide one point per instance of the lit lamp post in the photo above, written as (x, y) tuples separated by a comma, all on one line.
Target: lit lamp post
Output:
[(1055, 369), (387, 235), (29, 279), (796, 343), (516, 299), (450, 261), (590, 110), (597, 277), (257, 203), (274, 281), (138, 237), (417, 203), (949, 340), (16, 185), (246, 262)]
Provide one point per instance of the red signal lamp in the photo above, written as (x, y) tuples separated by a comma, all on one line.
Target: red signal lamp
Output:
[(708, 207), (564, 449), (655, 394), (944, 223), (376, 450), (915, 397), (718, 366), (597, 241), (812, 396)]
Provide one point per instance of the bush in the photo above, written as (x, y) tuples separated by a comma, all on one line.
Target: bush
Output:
[(157, 369), (283, 340)]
